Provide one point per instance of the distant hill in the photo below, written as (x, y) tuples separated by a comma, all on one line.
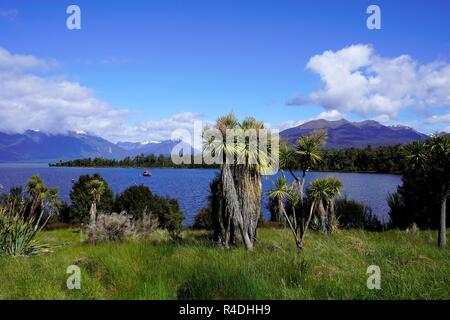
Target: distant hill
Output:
[(148, 147), (36, 145), (345, 134)]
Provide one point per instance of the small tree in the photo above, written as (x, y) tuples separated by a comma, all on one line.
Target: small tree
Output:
[(439, 163), (281, 192), (96, 189), (278, 195), (335, 186), (304, 155), (38, 192), (240, 180), (82, 199), (422, 198)]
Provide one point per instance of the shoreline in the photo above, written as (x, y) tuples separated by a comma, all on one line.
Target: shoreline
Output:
[(47, 165)]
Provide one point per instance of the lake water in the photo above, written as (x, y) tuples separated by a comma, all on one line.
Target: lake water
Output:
[(191, 186)]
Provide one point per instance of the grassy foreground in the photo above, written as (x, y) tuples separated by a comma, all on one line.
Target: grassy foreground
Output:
[(332, 267)]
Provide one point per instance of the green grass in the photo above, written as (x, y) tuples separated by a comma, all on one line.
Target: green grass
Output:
[(331, 267)]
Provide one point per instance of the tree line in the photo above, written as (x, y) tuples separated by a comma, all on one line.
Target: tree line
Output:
[(139, 161), (421, 200), (388, 159)]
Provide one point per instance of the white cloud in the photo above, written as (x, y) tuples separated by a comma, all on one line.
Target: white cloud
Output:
[(55, 105), (383, 118), (162, 129), (438, 119), (20, 63), (29, 101), (331, 115), (357, 80), (283, 125)]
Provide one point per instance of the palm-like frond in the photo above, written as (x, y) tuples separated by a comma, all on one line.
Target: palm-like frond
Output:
[(217, 144), (227, 122), (440, 144), (53, 195), (335, 186), (240, 142), (36, 187), (416, 155), (308, 149), (286, 157), (96, 188), (281, 189), (319, 190), (252, 123)]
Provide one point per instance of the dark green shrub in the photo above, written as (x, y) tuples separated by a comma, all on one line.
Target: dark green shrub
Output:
[(415, 202), (354, 214), (82, 199), (203, 220), (135, 201), (425, 185), (174, 223), (217, 209), (399, 218), (272, 206), (64, 213)]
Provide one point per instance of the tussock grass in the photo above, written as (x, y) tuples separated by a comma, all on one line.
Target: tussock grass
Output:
[(331, 267)]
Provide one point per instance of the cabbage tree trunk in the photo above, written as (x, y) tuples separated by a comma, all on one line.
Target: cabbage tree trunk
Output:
[(93, 212), (298, 241), (331, 217), (442, 239), (226, 234), (305, 228), (232, 203), (249, 190), (323, 217)]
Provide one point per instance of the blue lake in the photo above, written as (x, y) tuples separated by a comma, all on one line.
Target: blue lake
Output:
[(191, 186)]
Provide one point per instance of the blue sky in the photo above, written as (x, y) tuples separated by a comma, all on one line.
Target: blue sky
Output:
[(159, 59)]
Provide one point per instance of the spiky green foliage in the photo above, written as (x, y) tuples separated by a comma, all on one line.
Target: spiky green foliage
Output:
[(422, 198), (308, 147), (244, 156), (321, 194), (81, 197), (21, 218), (18, 236), (304, 155), (96, 188)]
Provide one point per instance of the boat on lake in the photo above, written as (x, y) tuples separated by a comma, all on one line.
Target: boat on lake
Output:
[(147, 173)]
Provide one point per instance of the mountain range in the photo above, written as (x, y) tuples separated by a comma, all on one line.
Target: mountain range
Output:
[(345, 134), (39, 146)]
